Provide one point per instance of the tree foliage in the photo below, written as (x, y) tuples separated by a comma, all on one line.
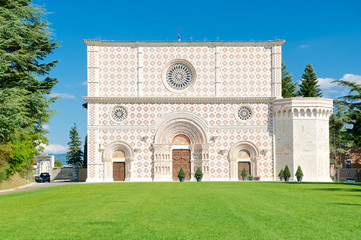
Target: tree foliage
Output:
[(74, 154), (309, 84), (288, 86), (25, 43), (352, 114), (85, 157)]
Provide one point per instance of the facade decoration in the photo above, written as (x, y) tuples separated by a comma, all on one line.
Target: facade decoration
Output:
[(154, 107)]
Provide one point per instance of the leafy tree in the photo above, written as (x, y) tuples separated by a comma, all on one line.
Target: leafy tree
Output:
[(58, 164), (288, 86), (85, 157), (74, 154), (25, 43), (353, 113), (339, 139), (309, 84)]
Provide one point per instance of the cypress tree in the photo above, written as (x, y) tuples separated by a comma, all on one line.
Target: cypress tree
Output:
[(309, 84), (74, 154), (85, 157), (288, 86)]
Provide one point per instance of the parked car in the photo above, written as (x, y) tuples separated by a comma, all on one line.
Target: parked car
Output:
[(44, 177)]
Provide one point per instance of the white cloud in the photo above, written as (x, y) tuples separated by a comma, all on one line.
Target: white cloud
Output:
[(85, 83), (67, 85), (46, 126), (333, 90), (305, 46), (62, 95), (325, 83), (352, 78), (55, 148)]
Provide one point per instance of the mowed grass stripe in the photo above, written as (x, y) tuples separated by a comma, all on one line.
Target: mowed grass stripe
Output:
[(205, 210)]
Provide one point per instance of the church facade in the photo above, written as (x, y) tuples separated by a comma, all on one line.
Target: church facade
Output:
[(157, 107)]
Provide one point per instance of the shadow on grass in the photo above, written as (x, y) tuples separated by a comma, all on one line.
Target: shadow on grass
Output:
[(339, 189), (347, 204), (358, 184)]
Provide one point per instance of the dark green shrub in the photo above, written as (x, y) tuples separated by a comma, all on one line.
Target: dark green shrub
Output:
[(286, 172), (281, 174), (299, 172), (250, 177), (244, 173), (181, 174), (199, 173)]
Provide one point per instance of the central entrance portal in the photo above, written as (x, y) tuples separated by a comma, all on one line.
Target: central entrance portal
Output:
[(181, 159)]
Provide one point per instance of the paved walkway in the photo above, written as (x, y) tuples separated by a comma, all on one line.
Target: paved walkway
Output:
[(32, 186)]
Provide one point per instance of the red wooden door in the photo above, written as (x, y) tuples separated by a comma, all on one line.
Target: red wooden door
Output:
[(181, 159), (119, 171), (242, 165)]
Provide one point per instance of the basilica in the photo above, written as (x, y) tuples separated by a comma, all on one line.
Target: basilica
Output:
[(156, 107)]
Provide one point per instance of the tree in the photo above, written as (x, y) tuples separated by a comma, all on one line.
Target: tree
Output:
[(353, 113), (74, 154), (58, 163), (85, 157), (309, 84), (339, 138), (25, 43), (286, 172), (288, 86)]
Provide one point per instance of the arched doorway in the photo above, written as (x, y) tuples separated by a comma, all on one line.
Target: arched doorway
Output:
[(243, 154), (244, 162), (118, 159), (180, 139), (118, 165), (181, 156)]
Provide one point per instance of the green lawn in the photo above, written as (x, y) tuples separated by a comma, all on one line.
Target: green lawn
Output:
[(205, 210)]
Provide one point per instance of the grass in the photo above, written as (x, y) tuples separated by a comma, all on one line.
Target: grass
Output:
[(205, 210)]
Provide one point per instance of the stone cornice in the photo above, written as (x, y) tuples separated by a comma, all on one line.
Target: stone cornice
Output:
[(183, 43), (177, 99)]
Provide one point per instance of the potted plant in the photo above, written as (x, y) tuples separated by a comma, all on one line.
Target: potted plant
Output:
[(257, 178), (299, 174), (287, 174), (181, 175), (281, 175), (244, 174), (250, 177), (199, 175)]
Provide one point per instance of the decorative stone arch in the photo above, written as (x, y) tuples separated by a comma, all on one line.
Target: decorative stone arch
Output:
[(254, 153), (170, 126), (108, 159)]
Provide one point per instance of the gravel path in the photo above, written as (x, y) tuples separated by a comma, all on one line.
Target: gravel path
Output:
[(32, 186)]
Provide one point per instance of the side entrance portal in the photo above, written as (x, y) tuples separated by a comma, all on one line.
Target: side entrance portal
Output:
[(119, 171), (181, 159), (241, 166)]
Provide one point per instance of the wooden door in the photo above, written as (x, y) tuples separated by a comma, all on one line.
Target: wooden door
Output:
[(119, 171), (241, 165), (181, 159)]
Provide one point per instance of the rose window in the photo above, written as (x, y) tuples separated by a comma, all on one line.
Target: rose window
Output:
[(179, 76), (119, 113), (244, 113)]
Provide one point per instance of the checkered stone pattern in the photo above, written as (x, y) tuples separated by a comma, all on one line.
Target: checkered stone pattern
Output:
[(245, 71), (155, 60), (213, 114), (217, 116), (118, 71)]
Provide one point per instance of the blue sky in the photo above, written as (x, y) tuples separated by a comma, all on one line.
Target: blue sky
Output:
[(326, 34)]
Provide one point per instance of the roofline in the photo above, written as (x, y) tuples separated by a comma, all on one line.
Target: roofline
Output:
[(183, 43)]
